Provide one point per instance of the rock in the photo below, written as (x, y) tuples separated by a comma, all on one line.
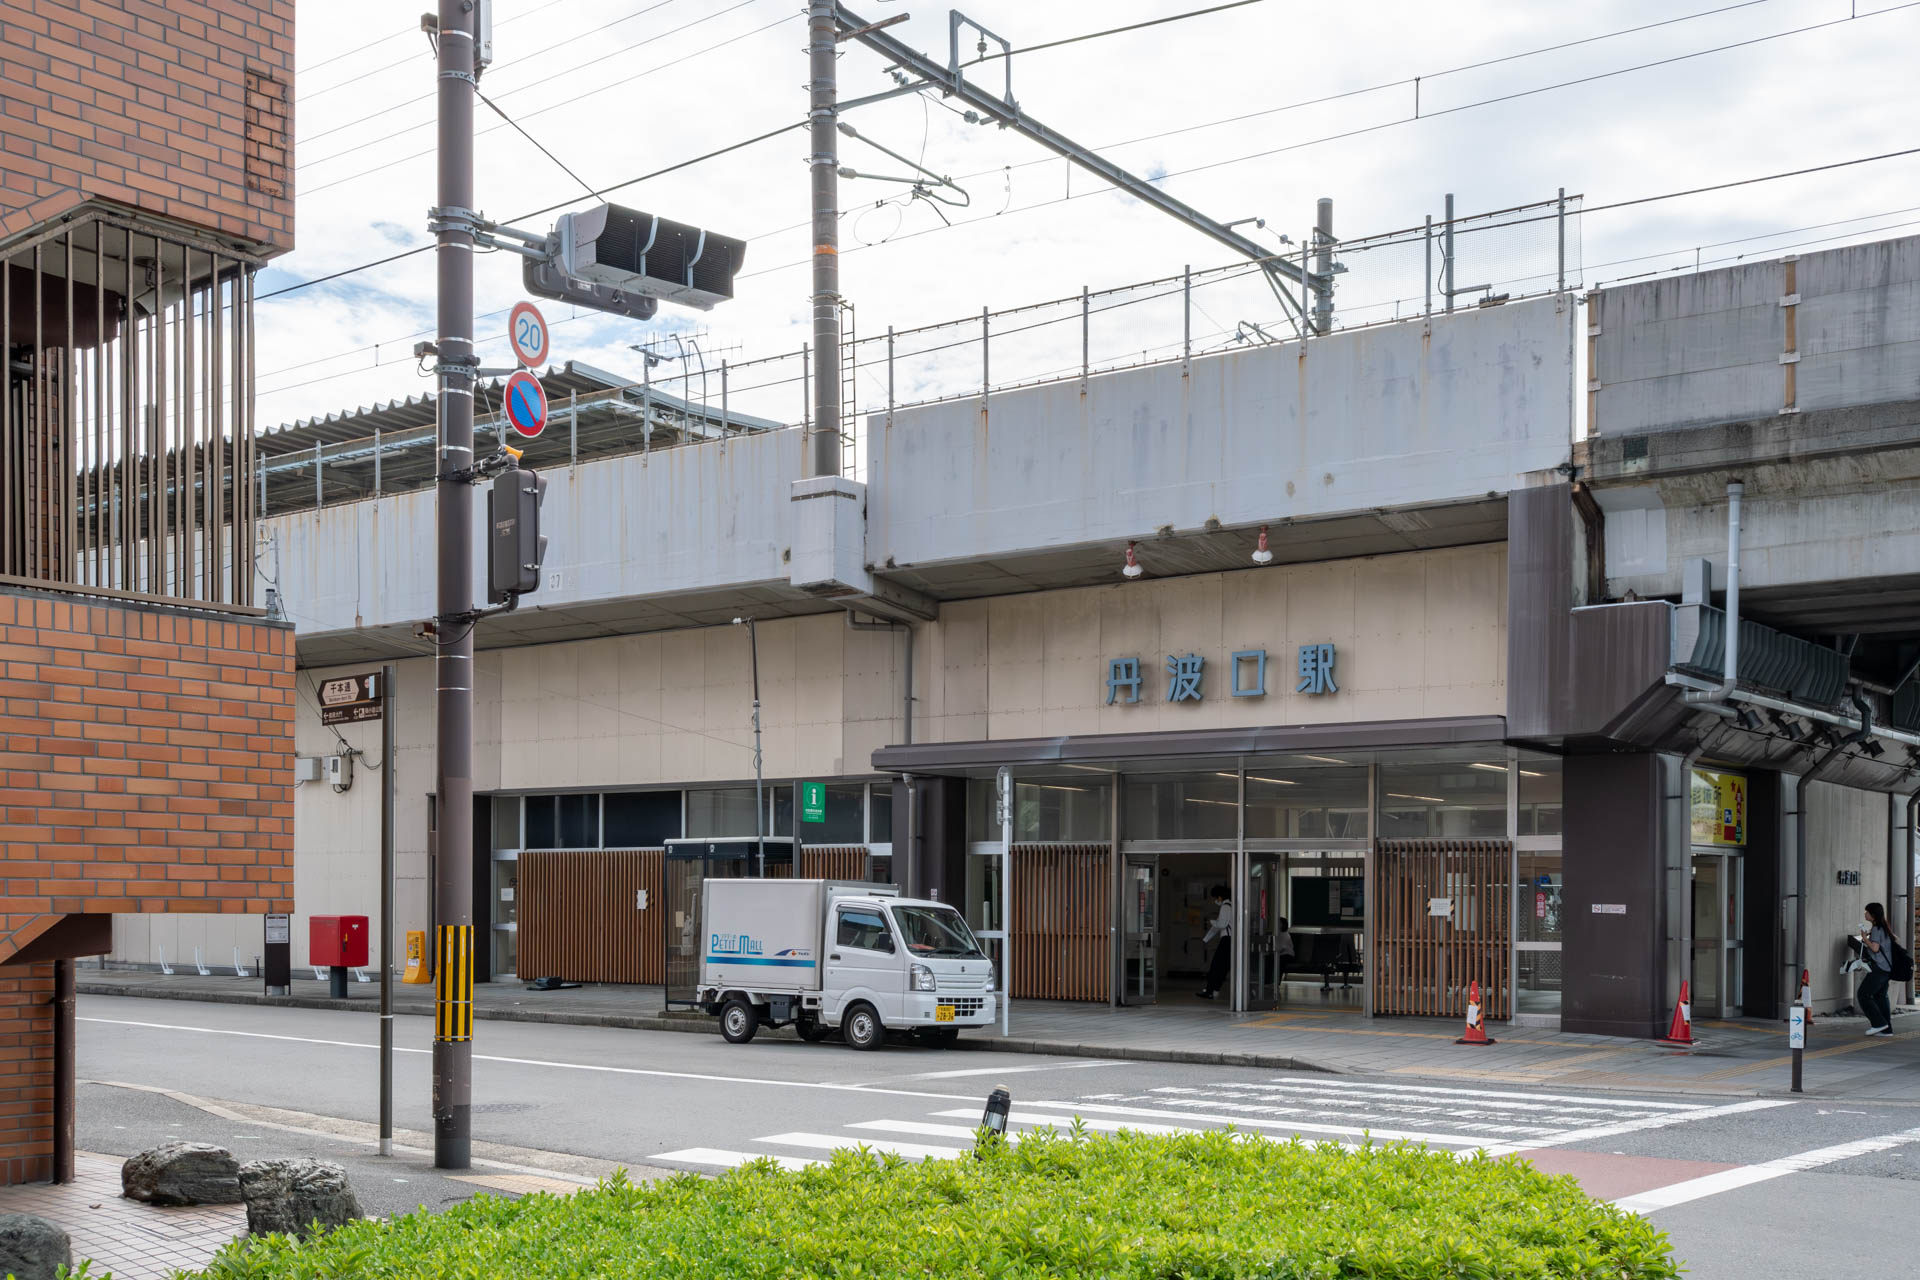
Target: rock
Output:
[(289, 1196), (177, 1173), (32, 1248)]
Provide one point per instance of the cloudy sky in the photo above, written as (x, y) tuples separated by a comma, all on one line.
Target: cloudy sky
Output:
[(1252, 112)]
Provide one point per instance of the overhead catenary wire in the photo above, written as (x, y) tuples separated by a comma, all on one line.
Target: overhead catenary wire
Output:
[(1131, 26), (1383, 238), (1217, 164)]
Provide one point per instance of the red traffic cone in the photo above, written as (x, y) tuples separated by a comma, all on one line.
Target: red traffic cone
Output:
[(1681, 1032), (1476, 1025)]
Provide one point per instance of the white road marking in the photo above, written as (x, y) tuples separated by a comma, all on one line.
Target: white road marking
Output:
[(730, 1159), (1062, 1123), (828, 1142), (922, 1129), (543, 1062), (1390, 1096), (1714, 1184), (1638, 1126), (1329, 1082), (1008, 1070), (1287, 1126), (1225, 1100)]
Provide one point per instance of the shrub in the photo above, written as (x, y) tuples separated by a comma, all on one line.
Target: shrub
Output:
[(1130, 1205)]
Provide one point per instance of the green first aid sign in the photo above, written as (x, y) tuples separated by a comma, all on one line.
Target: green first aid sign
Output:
[(813, 802)]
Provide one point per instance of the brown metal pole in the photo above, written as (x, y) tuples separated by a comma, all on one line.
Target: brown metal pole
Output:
[(63, 1069), (453, 728), (823, 458)]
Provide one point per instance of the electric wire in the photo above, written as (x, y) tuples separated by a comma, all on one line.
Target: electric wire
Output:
[(341, 84), (521, 61), (673, 62), (1216, 164), (1132, 26), (591, 194), (584, 184), (561, 74)]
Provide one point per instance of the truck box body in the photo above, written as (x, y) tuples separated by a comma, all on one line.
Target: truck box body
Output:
[(820, 952)]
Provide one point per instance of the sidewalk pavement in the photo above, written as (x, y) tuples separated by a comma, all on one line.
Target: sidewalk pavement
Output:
[(1745, 1057), (130, 1240)]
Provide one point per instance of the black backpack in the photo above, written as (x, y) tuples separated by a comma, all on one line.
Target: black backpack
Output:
[(1900, 964)]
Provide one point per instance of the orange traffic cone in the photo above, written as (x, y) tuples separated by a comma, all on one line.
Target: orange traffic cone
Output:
[(1476, 1025), (1681, 1032)]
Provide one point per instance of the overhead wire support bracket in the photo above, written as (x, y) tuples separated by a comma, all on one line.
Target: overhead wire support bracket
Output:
[(1008, 114)]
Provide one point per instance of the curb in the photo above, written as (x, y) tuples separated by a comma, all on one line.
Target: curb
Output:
[(708, 1026)]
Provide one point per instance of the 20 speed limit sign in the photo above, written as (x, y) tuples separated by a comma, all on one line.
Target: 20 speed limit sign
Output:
[(527, 331)]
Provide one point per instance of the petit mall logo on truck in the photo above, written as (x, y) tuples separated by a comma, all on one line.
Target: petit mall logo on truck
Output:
[(743, 948)]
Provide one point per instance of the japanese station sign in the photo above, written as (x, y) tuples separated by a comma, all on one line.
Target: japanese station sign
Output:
[(1246, 675)]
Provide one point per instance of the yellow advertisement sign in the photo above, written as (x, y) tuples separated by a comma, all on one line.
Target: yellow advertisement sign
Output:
[(1718, 805)]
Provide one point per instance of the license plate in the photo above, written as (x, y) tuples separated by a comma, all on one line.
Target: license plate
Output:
[(943, 1013)]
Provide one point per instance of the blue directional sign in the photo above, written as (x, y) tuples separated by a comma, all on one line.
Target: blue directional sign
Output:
[(526, 403)]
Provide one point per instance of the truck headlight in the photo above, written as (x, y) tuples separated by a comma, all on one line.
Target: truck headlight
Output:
[(922, 978), (991, 985)]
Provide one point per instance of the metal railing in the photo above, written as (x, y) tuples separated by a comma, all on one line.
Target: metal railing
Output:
[(126, 433), (1524, 251)]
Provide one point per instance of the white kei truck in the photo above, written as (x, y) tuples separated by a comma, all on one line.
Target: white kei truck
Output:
[(829, 955)]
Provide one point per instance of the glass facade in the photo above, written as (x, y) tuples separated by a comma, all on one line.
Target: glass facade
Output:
[(1044, 811)]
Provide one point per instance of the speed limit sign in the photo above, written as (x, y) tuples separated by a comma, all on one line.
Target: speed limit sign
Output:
[(527, 331)]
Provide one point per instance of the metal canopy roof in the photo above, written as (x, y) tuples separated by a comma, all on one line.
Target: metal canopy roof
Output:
[(389, 448)]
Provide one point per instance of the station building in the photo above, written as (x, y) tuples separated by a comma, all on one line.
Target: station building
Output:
[(1423, 659)]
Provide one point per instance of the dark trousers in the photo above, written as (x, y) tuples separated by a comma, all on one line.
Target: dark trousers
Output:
[(1873, 998), (1223, 961)]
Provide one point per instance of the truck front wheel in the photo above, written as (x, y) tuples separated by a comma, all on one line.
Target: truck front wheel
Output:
[(738, 1021), (862, 1029)]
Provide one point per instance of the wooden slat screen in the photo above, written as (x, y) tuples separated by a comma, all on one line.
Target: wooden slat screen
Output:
[(1423, 963), (833, 862), (1061, 942), (579, 918)]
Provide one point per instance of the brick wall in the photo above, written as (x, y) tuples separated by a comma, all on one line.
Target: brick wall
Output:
[(182, 108), (26, 1073), (146, 762)]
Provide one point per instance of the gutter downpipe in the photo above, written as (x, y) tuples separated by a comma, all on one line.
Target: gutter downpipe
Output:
[(1730, 648), (1913, 815)]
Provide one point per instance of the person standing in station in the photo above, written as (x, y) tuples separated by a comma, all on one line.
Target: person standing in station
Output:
[(1221, 928)]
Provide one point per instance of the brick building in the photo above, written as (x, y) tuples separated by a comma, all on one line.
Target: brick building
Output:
[(146, 705)]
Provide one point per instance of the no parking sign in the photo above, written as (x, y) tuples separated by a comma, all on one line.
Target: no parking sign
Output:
[(526, 404)]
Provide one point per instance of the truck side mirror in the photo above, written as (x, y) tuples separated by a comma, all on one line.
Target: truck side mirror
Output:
[(884, 943)]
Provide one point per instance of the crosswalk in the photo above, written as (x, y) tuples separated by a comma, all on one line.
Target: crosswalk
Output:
[(1314, 1108)]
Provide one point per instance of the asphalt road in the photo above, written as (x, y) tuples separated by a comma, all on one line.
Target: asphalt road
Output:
[(1744, 1189)]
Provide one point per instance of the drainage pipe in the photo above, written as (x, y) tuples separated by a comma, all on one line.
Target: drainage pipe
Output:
[(1730, 649)]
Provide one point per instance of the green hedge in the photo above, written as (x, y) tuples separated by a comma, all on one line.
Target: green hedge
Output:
[(1201, 1205)]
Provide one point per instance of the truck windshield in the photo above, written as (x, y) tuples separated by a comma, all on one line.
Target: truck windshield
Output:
[(935, 931)]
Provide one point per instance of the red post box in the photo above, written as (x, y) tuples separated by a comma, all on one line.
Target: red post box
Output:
[(337, 941)]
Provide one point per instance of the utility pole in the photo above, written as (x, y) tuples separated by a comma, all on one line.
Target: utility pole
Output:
[(823, 454), (453, 625), (1323, 267)]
